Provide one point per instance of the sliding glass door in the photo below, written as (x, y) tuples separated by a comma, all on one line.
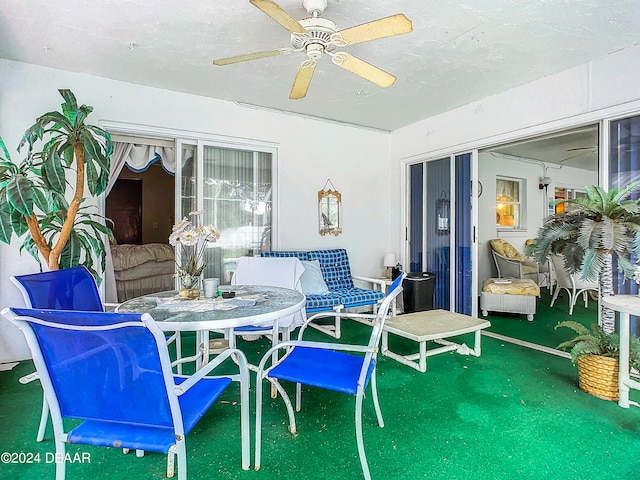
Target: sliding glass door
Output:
[(624, 168), (430, 227), (463, 238), (441, 226), (233, 187)]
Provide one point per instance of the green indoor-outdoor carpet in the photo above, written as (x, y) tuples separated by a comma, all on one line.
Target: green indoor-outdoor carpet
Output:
[(510, 413)]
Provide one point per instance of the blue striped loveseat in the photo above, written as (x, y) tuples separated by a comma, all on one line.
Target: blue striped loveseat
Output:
[(336, 271)]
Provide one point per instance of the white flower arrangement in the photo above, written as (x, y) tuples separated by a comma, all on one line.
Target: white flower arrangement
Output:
[(636, 275), (193, 239)]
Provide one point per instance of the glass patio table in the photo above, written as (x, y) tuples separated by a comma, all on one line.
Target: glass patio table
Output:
[(252, 305)]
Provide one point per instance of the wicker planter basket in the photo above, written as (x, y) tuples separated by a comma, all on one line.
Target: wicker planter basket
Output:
[(598, 376)]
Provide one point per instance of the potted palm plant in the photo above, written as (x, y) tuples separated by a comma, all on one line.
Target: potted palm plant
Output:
[(34, 193), (596, 354), (589, 233)]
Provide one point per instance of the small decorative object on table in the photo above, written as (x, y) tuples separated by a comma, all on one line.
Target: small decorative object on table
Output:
[(211, 287), (389, 262), (396, 271), (193, 239)]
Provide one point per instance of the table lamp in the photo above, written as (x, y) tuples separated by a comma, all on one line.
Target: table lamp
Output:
[(389, 261)]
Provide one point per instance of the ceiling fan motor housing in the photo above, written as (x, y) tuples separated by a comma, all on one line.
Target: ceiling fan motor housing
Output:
[(318, 38)]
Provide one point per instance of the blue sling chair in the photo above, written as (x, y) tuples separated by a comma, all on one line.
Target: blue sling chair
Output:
[(329, 366), (67, 289), (112, 372)]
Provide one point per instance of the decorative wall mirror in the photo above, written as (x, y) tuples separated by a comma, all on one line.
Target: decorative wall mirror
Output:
[(329, 210), (443, 207)]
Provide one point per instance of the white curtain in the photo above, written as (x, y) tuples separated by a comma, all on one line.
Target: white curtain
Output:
[(142, 155), (137, 158), (119, 158)]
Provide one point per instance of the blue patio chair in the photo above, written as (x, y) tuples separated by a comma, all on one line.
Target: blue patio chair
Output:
[(67, 289), (112, 372), (329, 366)]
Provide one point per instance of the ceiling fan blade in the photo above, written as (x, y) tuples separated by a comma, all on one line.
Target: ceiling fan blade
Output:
[(581, 148), (249, 56), (363, 69), (302, 80), (279, 15), (575, 155), (385, 27)]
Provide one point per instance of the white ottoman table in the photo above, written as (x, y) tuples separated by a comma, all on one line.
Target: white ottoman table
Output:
[(432, 325), (509, 295)]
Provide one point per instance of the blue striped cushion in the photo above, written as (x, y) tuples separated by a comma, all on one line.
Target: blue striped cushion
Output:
[(286, 253), (334, 264), (335, 268), (359, 296), (324, 302)]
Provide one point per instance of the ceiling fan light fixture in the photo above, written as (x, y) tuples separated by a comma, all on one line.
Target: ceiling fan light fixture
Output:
[(314, 51)]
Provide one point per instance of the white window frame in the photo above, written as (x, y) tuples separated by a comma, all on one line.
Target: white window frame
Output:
[(522, 188)]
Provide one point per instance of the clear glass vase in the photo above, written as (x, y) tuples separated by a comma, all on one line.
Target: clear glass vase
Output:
[(190, 282)]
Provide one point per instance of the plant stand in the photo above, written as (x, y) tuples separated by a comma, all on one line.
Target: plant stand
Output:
[(598, 376)]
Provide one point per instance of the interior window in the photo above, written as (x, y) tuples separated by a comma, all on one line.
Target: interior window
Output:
[(508, 202), (562, 193)]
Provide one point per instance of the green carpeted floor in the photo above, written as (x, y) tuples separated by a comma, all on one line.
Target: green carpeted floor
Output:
[(511, 413)]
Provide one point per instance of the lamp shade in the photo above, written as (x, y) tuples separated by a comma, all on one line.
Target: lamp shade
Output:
[(390, 260)]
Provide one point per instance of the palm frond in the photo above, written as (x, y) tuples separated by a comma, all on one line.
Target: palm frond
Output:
[(583, 348), (625, 192), (575, 326), (592, 264)]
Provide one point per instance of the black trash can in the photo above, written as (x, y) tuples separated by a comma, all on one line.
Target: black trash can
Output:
[(417, 293)]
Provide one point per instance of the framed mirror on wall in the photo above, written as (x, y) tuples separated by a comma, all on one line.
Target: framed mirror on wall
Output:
[(443, 206), (329, 210)]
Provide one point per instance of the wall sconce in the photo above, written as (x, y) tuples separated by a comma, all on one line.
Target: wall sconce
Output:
[(544, 183)]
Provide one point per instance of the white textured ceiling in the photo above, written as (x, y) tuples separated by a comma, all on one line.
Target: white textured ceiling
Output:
[(458, 52)]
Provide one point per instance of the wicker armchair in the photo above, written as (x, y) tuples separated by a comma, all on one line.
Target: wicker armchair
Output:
[(510, 263)]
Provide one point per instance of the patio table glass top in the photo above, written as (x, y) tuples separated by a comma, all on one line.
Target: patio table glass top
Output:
[(252, 304)]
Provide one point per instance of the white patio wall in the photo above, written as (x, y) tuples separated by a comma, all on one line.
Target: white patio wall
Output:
[(310, 151), (581, 95), (366, 166)]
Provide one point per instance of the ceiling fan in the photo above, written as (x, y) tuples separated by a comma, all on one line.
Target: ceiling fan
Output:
[(319, 36), (580, 152)]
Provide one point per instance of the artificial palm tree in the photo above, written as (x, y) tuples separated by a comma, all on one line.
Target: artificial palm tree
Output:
[(34, 194), (589, 233)]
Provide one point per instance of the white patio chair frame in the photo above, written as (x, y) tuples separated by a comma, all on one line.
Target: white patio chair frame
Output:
[(573, 284)]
